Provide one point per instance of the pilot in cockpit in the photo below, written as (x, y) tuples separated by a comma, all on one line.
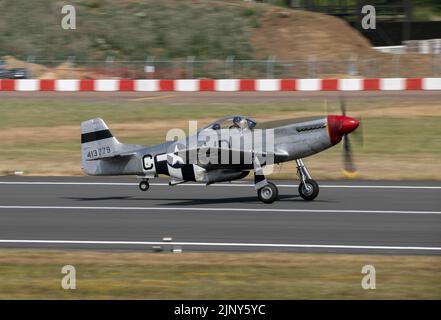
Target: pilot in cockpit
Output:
[(239, 123)]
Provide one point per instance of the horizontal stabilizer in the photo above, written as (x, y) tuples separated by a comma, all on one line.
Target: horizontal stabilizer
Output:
[(121, 155)]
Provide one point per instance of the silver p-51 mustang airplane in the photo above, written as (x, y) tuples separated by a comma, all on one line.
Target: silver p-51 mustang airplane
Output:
[(226, 150)]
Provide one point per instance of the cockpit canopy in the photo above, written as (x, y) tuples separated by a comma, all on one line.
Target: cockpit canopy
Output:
[(230, 122)]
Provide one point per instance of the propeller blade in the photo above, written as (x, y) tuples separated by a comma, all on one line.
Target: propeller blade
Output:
[(348, 162), (342, 106), (349, 169), (358, 135)]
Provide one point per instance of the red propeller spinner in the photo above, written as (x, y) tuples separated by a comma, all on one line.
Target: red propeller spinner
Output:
[(338, 126)]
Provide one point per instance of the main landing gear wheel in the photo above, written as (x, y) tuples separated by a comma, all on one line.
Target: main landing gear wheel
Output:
[(309, 189), (144, 185), (268, 193)]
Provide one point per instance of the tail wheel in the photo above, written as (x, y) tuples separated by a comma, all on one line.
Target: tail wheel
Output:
[(309, 190), (268, 193), (144, 185)]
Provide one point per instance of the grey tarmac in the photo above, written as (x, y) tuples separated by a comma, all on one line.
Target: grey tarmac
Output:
[(182, 98), (111, 213)]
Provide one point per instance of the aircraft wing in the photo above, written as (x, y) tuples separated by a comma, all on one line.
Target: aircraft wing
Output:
[(227, 158)]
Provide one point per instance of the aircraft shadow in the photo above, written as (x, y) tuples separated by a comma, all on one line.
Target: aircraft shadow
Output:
[(100, 198), (192, 201)]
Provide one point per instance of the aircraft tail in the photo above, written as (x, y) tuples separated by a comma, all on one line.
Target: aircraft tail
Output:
[(99, 146)]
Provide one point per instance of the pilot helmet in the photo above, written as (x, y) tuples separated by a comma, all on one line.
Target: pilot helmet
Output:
[(240, 122)]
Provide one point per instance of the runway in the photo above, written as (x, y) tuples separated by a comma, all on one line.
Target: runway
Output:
[(182, 98), (112, 213)]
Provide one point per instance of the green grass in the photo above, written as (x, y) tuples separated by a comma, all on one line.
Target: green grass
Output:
[(382, 136), (130, 30), (100, 275), (426, 12), (392, 144), (402, 136), (26, 114)]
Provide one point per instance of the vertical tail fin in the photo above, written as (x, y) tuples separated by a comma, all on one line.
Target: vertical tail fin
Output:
[(97, 142)]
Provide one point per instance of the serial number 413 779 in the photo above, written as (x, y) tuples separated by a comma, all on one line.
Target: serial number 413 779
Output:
[(99, 152)]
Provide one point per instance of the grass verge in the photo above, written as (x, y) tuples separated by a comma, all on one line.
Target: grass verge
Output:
[(42, 137), (36, 274)]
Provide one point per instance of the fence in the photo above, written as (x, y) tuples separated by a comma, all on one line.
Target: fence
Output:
[(383, 66)]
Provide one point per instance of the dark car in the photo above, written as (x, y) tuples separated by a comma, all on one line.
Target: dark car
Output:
[(16, 73)]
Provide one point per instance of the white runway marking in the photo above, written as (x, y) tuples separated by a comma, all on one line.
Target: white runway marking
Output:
[(213, 185), (221, 209), (222, 244)]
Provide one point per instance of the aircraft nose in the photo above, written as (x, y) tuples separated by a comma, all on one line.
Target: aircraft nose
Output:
[(339, 126), (348, 125)]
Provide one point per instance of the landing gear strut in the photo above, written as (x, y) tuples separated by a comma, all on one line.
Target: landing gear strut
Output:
[(144, 185), (308, 188)]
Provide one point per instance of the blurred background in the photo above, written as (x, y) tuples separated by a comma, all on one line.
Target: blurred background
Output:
[(400, 139), (220, 39)]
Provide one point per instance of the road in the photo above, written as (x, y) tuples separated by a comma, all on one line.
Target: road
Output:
[(111, 213), (223, 97)]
